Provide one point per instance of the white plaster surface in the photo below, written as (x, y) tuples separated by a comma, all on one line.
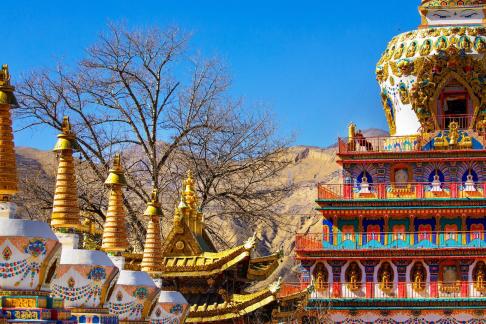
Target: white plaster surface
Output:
[(168, 297), (20, 227), (135, 278), (78, 256)]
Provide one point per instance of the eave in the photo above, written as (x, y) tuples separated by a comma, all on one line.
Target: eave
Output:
[(378, 254), (410, 157), (238, 306), (206, 264), (261, 268)]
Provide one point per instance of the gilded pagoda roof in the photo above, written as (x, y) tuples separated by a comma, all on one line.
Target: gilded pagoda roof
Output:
[(234, 306), (206, 263), (189, 252), (260, 268)]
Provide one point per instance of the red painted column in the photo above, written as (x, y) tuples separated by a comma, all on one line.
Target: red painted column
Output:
[(348, 189), (336, 289), (337, 266), (369, 276), (419, 191), (381, 191), (434, 277), (464, 267), (454, 190), (402, 277)]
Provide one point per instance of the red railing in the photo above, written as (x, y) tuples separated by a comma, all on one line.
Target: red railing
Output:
[(312, 242), (380, 144), (292, 288), (463, 121), (400, 290), (411, 190), (411, 143)]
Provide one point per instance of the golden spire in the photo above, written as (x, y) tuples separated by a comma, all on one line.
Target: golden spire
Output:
[(8, 169), (115, 231), (152, 252), (189, 203), (65, 210)]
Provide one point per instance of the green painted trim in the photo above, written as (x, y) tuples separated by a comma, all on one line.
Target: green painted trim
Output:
[(328, 303), (400, 207), (398, 200)]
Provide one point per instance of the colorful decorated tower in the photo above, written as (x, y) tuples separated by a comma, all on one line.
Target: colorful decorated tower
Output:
[(135, 293), (29, 250), (84, 278), (403, 236)]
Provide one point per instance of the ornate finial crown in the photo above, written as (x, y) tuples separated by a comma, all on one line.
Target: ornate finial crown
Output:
[(4, 76), (154, 196), (250, 243), (66, 126), (116, 176), (6, 90), (153, 206), (117, 162), (65, 140)]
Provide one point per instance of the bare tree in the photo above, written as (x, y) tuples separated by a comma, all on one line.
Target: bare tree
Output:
[(140, 92)]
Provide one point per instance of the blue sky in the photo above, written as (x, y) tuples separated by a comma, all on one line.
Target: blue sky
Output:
[(311, 62)]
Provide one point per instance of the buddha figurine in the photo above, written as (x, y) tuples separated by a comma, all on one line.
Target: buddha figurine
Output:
[(365, 186), (436, 184), (441, 44), (353, 284), (418, 278), (465, 44), (386, 281), (426, 48), (412, 49), (469, 184), (480, 45), (399, 52), (453, 133), (480, 285)]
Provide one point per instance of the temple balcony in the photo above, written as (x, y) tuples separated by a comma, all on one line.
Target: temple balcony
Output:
[(376, 241), (463, 138), (430, 290), (402, 191)]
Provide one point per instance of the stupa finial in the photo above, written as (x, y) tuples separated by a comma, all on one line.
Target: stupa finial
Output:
[(65, 212), (8, 168), (115, 237), (152, 252)]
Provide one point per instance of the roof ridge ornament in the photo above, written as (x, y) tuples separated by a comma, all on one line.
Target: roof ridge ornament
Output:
[(275, 286), (250, 243)]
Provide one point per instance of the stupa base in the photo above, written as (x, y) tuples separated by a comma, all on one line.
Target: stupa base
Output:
[(36, 308), (93, 316)]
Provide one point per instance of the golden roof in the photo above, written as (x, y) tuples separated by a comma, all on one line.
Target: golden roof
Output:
[(8, 169), (205, 264), (234, 306), (152, 253), (189, 252), (65, 211), (260, 268), (188, 236), (115, 238)]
